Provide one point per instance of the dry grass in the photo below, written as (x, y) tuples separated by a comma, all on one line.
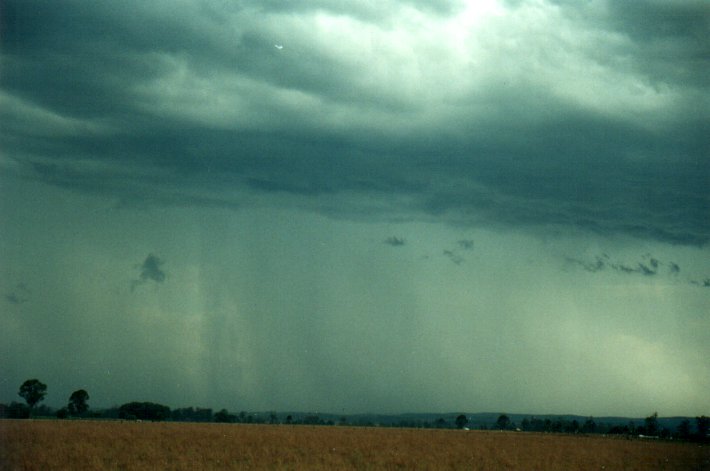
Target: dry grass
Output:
[(96, 445)]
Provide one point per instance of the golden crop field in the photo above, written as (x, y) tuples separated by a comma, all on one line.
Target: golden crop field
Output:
[(114, 445)]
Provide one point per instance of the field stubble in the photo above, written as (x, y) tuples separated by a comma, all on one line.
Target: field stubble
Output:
[(104, 445)]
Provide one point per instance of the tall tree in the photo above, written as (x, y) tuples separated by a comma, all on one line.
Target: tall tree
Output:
[(461, 421), (33, 391), (77, 402), (503, 422), (651, 424)]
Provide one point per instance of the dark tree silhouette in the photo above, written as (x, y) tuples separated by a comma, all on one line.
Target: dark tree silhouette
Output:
[(32, 391), (461, 421), (702, 423), (144, 411), (15, 410), (503, 422), (651, 424), (224, 416), (77, 402), (589, 426)]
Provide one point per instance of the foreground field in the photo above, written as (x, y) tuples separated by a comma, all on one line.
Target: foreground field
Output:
[(96, 445)]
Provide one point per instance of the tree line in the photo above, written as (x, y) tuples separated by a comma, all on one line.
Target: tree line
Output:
[(33, 392), (650, 428)]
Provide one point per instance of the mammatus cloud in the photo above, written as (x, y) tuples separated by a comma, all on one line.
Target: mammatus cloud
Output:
[(150, 271), (19, 295), (395, 241)]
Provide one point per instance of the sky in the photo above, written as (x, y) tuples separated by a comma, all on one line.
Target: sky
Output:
[(390, 206)]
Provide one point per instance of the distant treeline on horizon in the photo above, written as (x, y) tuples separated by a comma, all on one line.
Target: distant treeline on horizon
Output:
[(652, 426), (34, 391)]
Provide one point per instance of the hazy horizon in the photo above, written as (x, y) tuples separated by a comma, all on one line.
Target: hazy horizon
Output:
[(396, 206)]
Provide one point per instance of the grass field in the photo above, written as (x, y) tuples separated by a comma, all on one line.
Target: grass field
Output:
[(98, 445)]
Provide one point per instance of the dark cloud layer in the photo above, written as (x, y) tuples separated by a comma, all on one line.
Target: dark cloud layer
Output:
[(190, 105)]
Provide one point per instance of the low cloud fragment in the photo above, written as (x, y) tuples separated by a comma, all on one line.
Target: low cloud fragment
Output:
[(602, 262), (651, 266), (150, 271), (645, 270), (598, 264), (466, 244), (454, 257), (395, 241), (18, 296), (12, 298)]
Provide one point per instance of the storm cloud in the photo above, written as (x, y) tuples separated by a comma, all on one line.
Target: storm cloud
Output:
[(526, 114), (311, 169)]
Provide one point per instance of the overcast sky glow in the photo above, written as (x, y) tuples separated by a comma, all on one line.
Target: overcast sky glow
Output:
[(403, 205)]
